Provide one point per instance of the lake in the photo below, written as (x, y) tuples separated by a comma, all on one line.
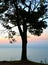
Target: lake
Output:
[(35, 52)]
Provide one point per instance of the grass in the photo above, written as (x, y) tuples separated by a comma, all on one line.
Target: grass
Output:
[(20, 63)]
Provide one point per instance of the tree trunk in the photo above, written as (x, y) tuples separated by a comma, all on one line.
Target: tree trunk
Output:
[(24, 49), (24, 42), (23, 34)]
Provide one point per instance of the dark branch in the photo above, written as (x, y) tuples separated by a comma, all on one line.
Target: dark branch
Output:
[(44, 18), (20, 30)]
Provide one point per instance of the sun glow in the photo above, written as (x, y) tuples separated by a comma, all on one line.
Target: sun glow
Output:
[(30, 38)]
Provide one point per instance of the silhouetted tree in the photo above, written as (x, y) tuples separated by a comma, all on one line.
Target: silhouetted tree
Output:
[(6, 1), (0, 0), (30, 20)]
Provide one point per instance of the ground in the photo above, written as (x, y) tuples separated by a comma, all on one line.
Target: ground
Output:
[(19, 63)]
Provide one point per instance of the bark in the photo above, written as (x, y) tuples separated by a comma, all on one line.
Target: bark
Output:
[(24, 49), (24, 42)]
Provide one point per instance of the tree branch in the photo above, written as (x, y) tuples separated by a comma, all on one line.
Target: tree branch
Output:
[(20, 30), (44, 18), (36, 6)]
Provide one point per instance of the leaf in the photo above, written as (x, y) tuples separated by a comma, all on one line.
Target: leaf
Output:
[(23, 1), (13, 32), (11, 42)]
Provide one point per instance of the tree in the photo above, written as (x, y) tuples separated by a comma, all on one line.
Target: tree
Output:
[(29, 19)]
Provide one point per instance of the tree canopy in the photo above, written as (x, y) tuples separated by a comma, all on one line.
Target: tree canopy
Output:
[(35, 11)]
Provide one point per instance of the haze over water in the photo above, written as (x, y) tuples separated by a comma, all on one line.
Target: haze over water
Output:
[(36, 51)]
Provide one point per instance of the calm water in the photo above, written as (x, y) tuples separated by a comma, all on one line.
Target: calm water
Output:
[(35, 52)]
